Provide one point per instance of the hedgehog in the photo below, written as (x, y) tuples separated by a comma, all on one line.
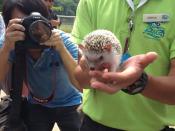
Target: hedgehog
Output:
[(102, 50)]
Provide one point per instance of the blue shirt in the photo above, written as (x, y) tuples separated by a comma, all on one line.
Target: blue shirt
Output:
[(2, 30), (48, 72)]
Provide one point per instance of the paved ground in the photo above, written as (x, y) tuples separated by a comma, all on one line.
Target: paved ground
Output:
[(55, 128)]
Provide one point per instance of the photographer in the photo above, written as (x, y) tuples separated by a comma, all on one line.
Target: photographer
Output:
[(52, 96), (54, 19)]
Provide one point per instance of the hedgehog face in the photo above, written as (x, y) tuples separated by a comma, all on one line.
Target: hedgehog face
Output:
[(101, 50), (108, 58), (99, 61)]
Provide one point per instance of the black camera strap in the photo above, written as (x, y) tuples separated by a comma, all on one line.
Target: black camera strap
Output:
[(18, 69), (54, 85)]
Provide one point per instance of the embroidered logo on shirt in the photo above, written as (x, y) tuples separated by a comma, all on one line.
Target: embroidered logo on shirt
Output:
[(154, 30)]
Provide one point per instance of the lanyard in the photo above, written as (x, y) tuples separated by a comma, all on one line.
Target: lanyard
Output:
[(131, 4), (54, 78), (131, 21)]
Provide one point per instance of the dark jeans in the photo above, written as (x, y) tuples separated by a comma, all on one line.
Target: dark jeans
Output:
[(90, 125), (40, 118)]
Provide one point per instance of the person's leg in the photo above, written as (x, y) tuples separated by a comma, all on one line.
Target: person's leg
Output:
[(68, 118), (39, 118), (90, 125)]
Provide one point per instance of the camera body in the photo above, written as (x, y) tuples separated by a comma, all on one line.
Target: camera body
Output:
[(37, 30)]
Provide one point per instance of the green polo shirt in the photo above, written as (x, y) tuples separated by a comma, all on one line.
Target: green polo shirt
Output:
[(120, 110)]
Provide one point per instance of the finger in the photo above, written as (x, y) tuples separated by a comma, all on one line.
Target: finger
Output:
[(15, 27), (148, 58), (53, 39), (16, 38), (83, 64), (97, 73), (16, 20), (104, 87), (106, 70), (132, 71), (128, 76), (16, 33)]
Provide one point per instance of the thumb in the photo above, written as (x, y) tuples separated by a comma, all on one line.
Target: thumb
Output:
[(148, 58)]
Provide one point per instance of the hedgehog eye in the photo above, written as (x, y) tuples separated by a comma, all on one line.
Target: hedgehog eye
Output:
[(100, 58)]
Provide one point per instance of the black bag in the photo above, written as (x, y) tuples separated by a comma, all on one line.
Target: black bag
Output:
[(4, 111), (5, 125)]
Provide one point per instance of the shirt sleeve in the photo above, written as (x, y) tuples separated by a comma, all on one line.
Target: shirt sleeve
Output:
[(71, 47), (2, 35), (83, 21), (172, 50), (2, 31)]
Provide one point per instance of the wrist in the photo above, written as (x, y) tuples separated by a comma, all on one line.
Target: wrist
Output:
[(7, 47), (138, 86), (60, 48), (59, 45)]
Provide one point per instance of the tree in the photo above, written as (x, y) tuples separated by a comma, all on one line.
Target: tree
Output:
[(65, 7), (0, 5)]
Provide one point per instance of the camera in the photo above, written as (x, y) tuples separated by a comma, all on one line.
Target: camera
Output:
[(38, 30)]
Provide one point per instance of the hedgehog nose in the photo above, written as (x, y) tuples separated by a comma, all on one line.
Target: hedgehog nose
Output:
[(92, 68)]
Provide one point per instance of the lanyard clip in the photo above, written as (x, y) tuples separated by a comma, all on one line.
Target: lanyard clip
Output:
[(131, 25)]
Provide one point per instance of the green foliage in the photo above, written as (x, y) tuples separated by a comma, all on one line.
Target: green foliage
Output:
[(68, 8), (65, 7), (58, 8), (62, 7), (0, 5)]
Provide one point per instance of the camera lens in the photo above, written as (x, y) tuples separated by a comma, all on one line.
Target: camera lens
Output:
[(40, 31)]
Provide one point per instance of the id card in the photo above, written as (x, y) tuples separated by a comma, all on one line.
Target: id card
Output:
[(156, 18)]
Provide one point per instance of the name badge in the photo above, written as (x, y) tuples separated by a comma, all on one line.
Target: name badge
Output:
[(156, 18)]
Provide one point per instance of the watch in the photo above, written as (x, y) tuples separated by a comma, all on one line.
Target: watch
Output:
[(138, 86)]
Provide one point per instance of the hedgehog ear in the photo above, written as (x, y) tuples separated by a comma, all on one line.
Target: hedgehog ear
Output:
[(108, 47)]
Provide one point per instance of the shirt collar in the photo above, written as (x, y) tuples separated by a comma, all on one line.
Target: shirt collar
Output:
[(131, 4)]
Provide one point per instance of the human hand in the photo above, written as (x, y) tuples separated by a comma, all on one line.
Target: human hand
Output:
[(55, 23), (14, 32), (112, 82), (83, 64), (55, 41)]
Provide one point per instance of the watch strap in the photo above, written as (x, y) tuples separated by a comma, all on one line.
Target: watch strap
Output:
[(138, 86)]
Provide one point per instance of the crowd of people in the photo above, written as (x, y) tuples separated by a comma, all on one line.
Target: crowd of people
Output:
[(140, 97)]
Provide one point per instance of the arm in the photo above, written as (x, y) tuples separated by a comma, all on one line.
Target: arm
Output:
[(14, 32), (82, 73), (68, 61), (162, 88), (4, 63)]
